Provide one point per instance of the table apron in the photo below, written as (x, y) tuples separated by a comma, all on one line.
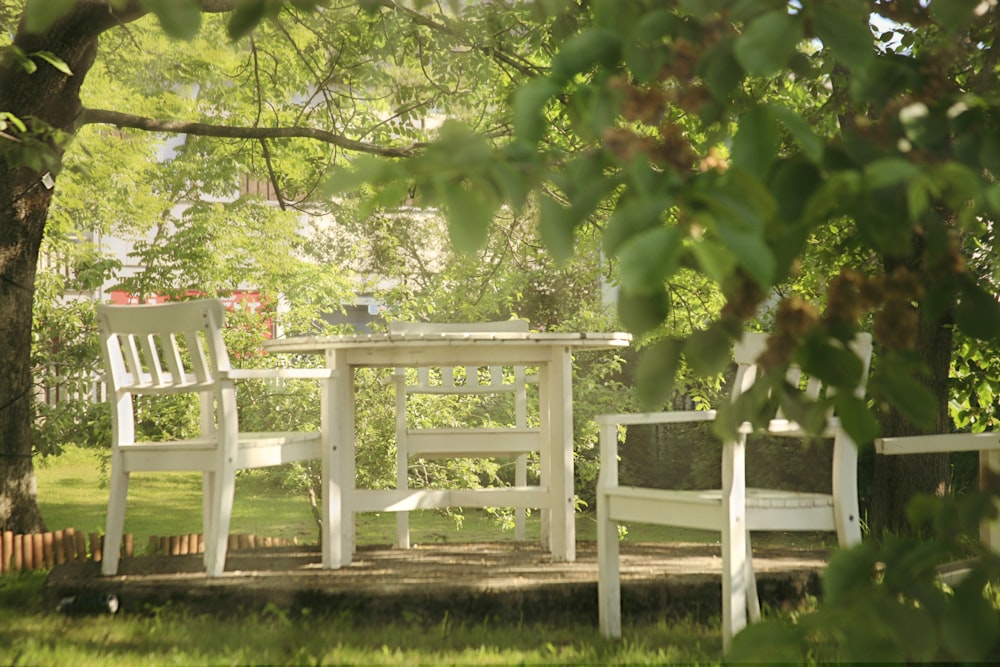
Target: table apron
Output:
[(525, 355)]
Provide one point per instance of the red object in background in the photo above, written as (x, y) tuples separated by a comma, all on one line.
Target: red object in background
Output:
[(249, 299)]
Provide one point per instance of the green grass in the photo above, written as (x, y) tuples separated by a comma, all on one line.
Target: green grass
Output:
[(32, 636), (72, 495)]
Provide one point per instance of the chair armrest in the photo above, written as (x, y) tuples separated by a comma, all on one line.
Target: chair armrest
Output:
[(946, 442), (280, 373), (671, 417), (608, 439)]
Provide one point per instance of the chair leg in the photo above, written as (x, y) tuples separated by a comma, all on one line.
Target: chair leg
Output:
[(753, 602), (225, 488), (609, 597), (734, 542), (402, 530), (402, 472), (846, 511), (208, 490), (520, 513), (402, 518), (115, 523)]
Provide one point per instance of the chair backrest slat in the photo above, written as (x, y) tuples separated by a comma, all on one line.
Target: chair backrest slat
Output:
[(143, 349), (748, 350)]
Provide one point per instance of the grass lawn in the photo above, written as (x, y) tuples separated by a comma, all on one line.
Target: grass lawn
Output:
[(31, 635), (73, 495)]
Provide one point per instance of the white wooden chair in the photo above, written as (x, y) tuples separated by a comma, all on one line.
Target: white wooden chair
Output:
[(513, 441), (733, 509), (177, 348)]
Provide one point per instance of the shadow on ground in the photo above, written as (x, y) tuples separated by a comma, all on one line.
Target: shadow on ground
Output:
[(501, 581)]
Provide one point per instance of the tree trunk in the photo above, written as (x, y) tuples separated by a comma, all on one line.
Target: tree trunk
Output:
[(896, 479), (46, 99)]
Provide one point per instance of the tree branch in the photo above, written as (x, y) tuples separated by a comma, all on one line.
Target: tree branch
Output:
[(119, 119), (513, 61)]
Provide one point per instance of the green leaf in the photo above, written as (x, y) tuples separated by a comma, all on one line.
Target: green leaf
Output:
[(895, 382), (55, 61), (844, 32), (978, 313), (918, 200), (720, 69), (958, 184), (648, 259), (913, 629), (247, 16), (365, 170), (701, 9), (529, 108), (656, 373), (889, 171), (953, 14), (849, 574), (583, 51), (972, 626), (655, 25), (511, 182), (40, 14), (840, 190), (832, 364), (801, 131), (586, 183), (773, 641), (644, 61), (768, 43), (179, 18), (9, 118), (469, 216), (714, 260), (750, 249), (641, 313), (856, 418), (755, 145), (708, 351), (557, 225), (992, 197), (632, 217)]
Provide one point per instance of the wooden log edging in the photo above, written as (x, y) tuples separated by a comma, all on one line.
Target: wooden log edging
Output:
[(35, 551), (194, 543)]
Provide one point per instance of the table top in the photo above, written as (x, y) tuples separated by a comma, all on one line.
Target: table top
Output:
[(316, 344)]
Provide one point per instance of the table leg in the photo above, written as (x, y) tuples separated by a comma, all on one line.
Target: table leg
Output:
[(556, 386), (338, 465)]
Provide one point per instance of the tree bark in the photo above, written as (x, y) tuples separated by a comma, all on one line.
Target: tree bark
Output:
[(896, 479), (47, 99)]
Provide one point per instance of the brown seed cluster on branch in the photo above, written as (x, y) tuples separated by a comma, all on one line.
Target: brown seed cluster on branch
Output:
[(644, 109)]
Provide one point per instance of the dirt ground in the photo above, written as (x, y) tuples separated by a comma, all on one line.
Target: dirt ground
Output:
[(474, 582)]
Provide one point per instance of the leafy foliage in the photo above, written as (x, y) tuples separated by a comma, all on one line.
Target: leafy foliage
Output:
[(885, 602), (703, 128), (733, 148)]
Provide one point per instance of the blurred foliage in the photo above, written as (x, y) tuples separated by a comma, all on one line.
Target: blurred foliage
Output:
[(885, 602)]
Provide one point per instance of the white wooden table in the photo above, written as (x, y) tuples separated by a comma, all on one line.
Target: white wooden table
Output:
[(550, 352)]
